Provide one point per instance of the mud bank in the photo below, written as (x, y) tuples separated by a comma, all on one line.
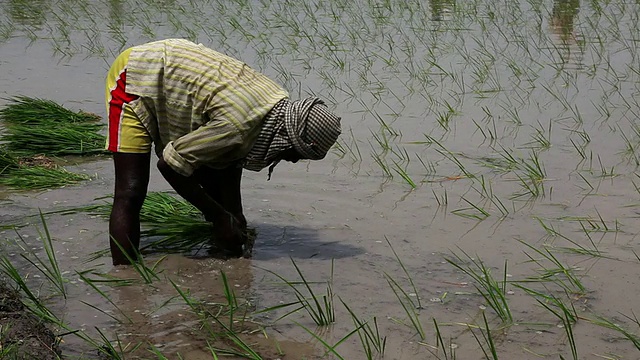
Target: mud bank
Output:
[(22, 335)]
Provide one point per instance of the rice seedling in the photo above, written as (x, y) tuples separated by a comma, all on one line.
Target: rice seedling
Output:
[(171, 224), (407, 304), (36, 126), (429, 167), (493, 291), (329, 348), (147, 274), (54, 139), (104, 295), (114, 352), (442, 200), (557, 273), (33, 303), (370, 337), (599, 224), (232, 300), (450, 156), (243, 349), (626, 333), (488, 345), (631, 147), (541, 139), (8, 350), (418, 304), (487, 192), (477, 212), (567, 316), (448, 350), (320, 308), (49, 267), (404, 175)]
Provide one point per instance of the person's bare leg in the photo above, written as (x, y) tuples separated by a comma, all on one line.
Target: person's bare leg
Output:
[(132, 179)]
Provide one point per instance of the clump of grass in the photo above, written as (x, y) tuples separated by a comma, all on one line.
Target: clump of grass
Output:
[(37, 126)]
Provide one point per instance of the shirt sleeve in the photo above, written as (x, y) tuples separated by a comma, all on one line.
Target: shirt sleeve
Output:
[(209, 143)]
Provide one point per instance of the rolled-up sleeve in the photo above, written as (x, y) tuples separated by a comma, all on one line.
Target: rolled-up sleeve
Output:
[(210, 143)]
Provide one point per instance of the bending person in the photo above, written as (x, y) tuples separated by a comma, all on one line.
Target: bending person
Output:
[(208, 116)]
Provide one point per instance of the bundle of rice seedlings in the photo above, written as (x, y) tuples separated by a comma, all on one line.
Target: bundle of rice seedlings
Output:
[(38, 126), (34, 173), (7, 161), (172, 225), (55, 139), (175, 223), (33, 111), (39, 178)]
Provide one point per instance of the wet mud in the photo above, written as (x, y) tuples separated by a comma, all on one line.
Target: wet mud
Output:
[(23, 335)]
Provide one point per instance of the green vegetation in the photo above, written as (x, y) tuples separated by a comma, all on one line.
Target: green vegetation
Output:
[(35, 130), (38, 126), (519, 118)]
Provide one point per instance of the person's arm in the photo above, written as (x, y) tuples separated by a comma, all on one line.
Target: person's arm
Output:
[(227, 229), (132, 179), (223, 185), (189, 188)]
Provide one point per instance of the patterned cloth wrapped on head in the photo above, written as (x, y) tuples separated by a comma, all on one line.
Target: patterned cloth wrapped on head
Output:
[(306, 125)]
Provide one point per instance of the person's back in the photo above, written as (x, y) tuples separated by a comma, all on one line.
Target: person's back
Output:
[(184, 85)]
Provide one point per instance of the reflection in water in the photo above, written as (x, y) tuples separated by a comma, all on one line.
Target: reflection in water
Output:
[(116, 12), (441, 10), (32, 12), (563, 16), (159, 316)]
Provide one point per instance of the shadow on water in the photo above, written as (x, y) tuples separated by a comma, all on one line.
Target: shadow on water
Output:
[(284, 241), (276, 241)]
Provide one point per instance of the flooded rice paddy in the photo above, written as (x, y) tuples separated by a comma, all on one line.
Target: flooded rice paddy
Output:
[(482, 201)]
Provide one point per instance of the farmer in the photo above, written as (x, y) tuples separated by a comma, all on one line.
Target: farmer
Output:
[(208, 116)]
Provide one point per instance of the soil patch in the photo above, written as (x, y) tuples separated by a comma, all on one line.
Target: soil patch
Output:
[(22, 335)]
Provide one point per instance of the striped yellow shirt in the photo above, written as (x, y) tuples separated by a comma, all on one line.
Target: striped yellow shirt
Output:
[(200, 107)]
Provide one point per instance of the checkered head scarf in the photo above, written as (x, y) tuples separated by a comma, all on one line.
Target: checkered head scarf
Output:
[(305, 125)]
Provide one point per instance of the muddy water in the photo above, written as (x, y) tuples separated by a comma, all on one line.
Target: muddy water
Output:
[(483, 80)]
